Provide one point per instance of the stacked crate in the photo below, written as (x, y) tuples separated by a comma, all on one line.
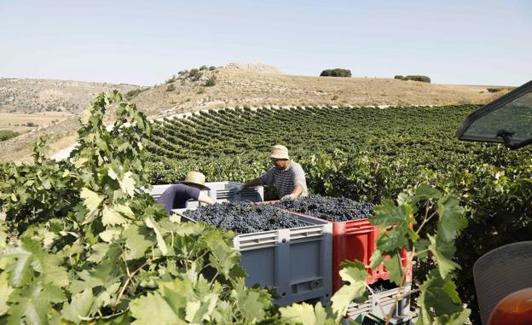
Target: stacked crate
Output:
[(295, 262)]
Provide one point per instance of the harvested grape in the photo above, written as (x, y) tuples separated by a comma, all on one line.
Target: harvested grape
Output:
[(244, 218), (328, 208)]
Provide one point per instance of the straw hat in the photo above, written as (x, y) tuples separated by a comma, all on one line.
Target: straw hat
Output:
[(195, 178), (279, 152)]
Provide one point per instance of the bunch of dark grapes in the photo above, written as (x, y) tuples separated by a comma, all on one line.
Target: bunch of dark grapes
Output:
[(244, 218), (328, 208)]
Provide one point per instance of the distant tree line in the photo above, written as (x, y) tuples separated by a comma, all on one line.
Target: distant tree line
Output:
[(414, 78), (338, 72)]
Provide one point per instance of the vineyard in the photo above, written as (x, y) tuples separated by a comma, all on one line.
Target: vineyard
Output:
[(81, 242), (365, 154)]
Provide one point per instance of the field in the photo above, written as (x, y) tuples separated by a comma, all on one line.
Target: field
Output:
[(365, 154), (25, 122)]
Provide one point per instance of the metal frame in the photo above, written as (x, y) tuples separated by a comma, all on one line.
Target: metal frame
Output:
[(511, 96)]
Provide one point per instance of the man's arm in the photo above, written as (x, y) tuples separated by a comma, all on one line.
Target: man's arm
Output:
[(205, 198), (298, 189)]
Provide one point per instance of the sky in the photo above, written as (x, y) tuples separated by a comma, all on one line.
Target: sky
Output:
[(481, 42)]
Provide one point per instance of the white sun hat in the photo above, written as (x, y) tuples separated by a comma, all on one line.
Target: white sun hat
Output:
[(279, 152), (195, 178)]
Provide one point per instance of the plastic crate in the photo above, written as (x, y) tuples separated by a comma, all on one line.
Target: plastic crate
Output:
[(356, 240), (221, 193), (295, 262), (381, 304), (218, 191), (157, 190)]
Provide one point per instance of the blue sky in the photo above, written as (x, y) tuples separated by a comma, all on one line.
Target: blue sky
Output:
[(145, 42)]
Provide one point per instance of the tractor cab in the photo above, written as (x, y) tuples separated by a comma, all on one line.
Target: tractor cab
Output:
[(503, 276)]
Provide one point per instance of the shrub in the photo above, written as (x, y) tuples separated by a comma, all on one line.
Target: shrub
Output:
[(203, 67), (399, 77), (134, 92), (212, 67), (494, 90), (338, 72), (32, 125), (170, 88), (211, 81), (194, 74), (172, 79), (418, 78), (7, 134)]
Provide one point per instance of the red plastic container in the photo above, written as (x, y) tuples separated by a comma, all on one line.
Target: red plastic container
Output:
[(354, 240), (357, 240)]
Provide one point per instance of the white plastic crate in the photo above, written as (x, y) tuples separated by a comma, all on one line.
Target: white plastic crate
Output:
[(295, 262), (381, 304)]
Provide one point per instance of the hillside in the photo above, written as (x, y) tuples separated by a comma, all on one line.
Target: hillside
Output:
[(235, 85), (42, 95), (243, 87)]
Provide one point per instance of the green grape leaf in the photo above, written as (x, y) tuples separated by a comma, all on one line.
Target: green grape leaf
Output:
[(150, 223), (198, 311), (127, 184), (223, 257), (111, 217), (20, 271), (5, 291), (355, 274), (249, 302), (192, 312), (91, 199), (392, 241), (98, 252), (388, 214), (136, 242), (425, 192), (153, 309), (376, 258), (110, 234), (422, 247), (452, 220), (394, 267), (439, 300), (30, 305), (31, 258), (306, 314), (52, 272), (124, 210), (80, 305), (443, 253)]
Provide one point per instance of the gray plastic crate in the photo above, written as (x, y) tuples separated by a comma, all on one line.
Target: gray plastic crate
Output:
[(221, 193), (295, 262), (218, 191), (381, 304), (157, 190)]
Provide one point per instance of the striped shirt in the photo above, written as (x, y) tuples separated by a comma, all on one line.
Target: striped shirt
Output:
[(285, 180)]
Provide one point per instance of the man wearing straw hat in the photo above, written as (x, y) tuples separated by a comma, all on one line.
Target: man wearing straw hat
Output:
[(177, 195), (286, 176)]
